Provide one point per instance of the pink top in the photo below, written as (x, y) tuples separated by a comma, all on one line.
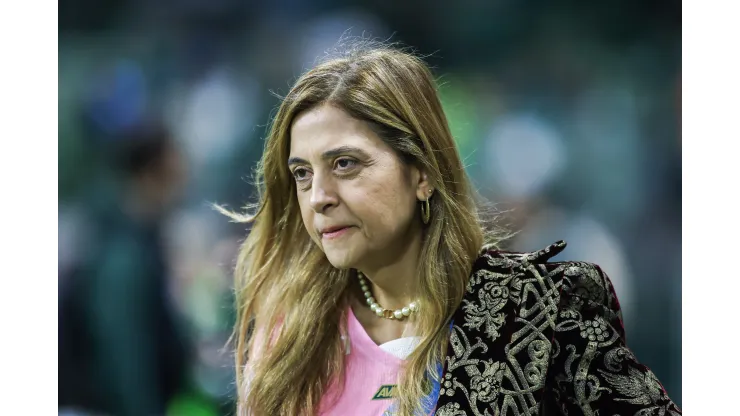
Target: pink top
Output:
[(369, 372)]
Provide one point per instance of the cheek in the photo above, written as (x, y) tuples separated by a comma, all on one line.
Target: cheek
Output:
[(306, 216), (387, 208)]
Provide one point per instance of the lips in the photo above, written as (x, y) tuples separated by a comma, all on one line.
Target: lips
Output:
[(334, 231)]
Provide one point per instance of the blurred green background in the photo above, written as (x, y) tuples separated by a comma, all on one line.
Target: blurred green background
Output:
[(567, 114)]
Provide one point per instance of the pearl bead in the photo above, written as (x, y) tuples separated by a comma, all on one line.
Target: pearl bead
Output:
[(379, 310)]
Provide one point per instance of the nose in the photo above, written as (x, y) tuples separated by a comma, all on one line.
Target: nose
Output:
[(323, 196)]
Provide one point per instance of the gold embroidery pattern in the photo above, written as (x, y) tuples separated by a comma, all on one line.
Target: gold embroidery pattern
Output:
[(539, 338)]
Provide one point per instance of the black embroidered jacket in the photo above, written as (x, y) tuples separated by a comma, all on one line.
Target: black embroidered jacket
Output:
[(534, 337)]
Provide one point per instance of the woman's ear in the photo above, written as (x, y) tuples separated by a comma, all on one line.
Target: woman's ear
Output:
[(424, 189)]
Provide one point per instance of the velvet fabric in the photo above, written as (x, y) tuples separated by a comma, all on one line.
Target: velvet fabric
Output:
[(536, 337)]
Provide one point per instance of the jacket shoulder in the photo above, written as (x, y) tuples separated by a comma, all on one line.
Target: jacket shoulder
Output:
[(492, 257), (573, 278)]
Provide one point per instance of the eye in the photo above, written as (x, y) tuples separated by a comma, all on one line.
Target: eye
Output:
[(301, 174), (345, 163)]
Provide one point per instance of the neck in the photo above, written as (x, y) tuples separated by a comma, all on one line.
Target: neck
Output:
[(394, 283)]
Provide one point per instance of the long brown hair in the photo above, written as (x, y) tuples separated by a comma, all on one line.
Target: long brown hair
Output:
[(284, 283)]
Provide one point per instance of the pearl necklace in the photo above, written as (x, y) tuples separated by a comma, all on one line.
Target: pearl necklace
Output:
[(379, 310)]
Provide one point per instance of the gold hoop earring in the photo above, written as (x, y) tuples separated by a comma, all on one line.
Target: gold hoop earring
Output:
[(426, 213)]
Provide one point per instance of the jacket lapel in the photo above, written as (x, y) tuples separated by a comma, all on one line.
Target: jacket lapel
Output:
[(499, 346)]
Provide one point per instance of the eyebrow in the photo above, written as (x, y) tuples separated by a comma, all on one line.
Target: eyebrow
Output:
[(329, 154)]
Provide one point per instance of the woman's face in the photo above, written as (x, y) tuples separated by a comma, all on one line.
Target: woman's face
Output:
[(358, 200)]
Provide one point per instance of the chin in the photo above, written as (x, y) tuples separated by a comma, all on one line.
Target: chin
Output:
[(341, 258)]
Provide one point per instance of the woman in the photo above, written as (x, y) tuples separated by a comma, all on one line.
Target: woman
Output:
[(368, 285)]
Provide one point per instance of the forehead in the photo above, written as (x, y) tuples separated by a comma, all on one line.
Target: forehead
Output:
[(325, 127)]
